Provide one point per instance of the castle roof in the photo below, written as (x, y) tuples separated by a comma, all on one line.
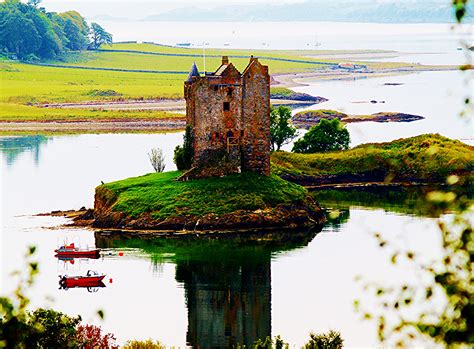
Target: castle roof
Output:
[(194, 72), (221, 69)]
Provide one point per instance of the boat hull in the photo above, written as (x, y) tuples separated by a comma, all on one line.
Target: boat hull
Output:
[(82, 281), (78, 254)]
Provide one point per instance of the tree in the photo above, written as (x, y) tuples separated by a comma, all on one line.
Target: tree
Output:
[(51, 45), (157, 159), (325, 136), (99, 37), (75, 29), (34, 3), (183, 155), (18, 33), (282, 130), (330, 340), (26, 30)]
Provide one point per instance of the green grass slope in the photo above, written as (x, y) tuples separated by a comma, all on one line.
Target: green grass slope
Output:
[(162, 196), (428, 157)]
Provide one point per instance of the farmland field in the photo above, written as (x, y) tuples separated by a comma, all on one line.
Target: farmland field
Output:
[(122, 72)]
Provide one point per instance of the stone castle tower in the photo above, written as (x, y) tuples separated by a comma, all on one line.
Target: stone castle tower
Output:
[(229, 116)]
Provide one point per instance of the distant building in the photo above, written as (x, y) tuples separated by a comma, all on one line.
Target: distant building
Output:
[(352, 66), (229, 116)]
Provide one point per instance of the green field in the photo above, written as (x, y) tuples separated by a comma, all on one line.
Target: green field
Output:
[(25, 86)]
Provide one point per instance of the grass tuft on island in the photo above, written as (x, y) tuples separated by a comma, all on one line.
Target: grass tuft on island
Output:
[(429, 158), (247, 200)]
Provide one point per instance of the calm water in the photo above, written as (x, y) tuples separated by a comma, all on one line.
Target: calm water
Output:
[(178, 293)]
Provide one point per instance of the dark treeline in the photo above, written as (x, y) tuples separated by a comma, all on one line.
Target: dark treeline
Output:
[(28, 32)]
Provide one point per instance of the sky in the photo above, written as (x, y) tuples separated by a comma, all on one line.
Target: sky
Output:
[(142, 8)]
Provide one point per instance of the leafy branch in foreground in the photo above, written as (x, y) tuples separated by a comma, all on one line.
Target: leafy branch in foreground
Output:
[(44, 328), (447, 280)]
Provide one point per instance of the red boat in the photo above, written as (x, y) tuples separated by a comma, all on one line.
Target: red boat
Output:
[(74, 252), (92, 279)]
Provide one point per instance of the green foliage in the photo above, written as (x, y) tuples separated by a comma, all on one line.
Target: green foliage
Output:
[(26, 29), (54, 329), (282, 130), (460, 9), (330, 340), (324, 137), (162, 196), (147, 344), (322, 113), (41, 328), (428, 157), (103, 93), (99, 37), (268, 343), (183, 155), (14, 325), (76, 30)]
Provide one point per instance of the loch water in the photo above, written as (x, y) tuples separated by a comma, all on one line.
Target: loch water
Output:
[(214, 294)]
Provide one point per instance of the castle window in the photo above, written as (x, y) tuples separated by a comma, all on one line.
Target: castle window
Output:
[(242, 133), (229, 92), (226, 106), (216, 87)]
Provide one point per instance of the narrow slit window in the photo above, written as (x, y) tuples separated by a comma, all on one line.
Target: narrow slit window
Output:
[(226, 106)]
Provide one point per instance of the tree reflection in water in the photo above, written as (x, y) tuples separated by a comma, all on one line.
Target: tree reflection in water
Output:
[(12, 146)]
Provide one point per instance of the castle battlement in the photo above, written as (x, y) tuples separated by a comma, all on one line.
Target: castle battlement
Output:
[(229, 115)]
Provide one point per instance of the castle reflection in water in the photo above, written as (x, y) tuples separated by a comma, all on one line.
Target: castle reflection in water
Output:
[(227, 286)]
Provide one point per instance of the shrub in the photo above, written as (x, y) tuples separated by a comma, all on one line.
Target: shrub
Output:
[(330, 340), (103, 93), (91, 337), (324, 137), (183, 155), (157, 159), (56, 330), (148, 344)]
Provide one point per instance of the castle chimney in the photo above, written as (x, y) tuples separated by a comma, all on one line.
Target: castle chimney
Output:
[(225, 60)]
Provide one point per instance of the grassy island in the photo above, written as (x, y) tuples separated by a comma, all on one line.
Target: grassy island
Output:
[(308, 118), (243, 201), (429, 158)]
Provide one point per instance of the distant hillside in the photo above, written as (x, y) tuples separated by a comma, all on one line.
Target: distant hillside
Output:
[(407, 11)]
